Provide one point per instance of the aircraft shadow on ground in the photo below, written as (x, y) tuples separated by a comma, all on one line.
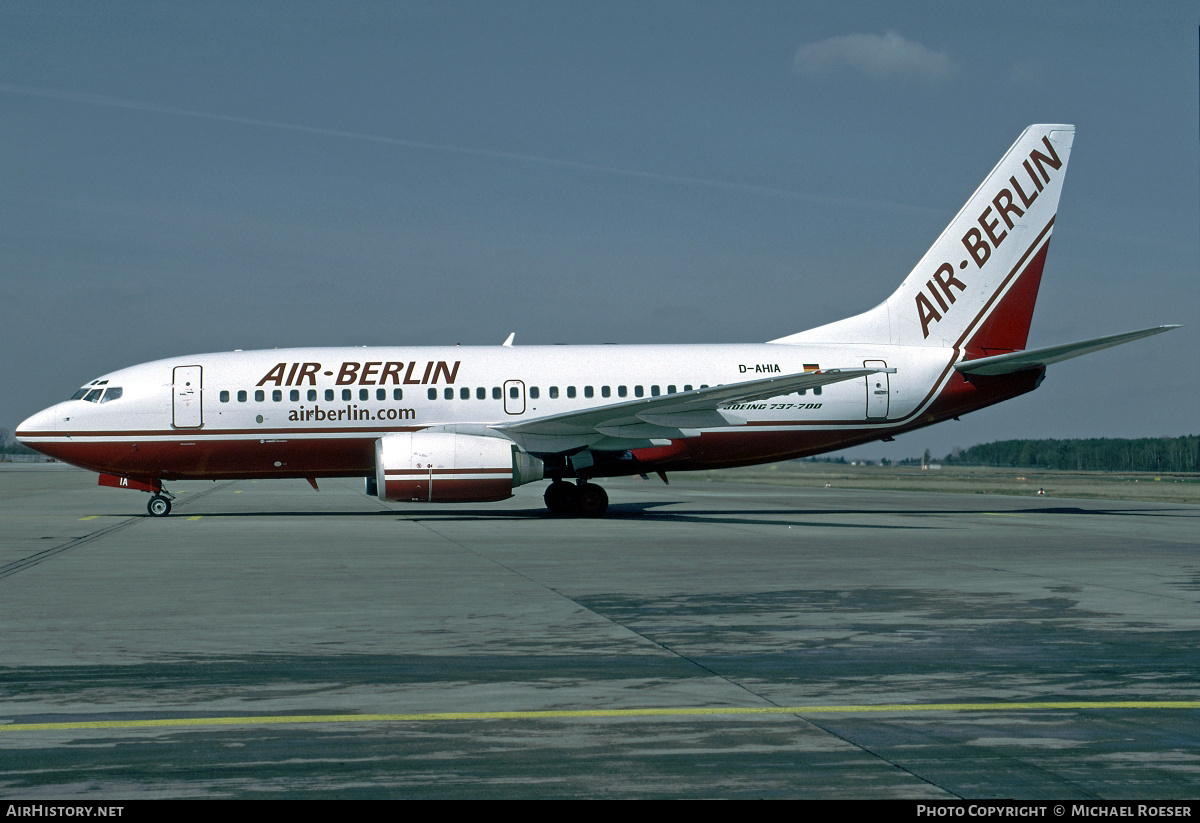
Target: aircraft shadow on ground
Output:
[(659, 511)]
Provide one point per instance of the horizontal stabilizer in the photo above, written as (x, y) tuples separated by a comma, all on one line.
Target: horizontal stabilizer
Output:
[(1034, 358)]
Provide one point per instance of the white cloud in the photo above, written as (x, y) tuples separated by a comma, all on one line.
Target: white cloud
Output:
[(889, 55)]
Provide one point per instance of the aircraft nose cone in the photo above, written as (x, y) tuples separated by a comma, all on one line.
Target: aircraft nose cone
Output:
[(44, 421)]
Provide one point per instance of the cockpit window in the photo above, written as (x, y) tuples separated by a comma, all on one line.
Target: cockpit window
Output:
[(112, 394), (92, 391)]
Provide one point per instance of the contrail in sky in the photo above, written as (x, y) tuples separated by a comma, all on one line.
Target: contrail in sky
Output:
[(744, 188)]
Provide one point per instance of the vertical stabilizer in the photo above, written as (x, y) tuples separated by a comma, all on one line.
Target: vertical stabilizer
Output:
[(976, 286)]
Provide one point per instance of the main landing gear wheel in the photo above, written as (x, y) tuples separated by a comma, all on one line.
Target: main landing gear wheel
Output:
[(585, 500), (159, 506), (561, 498), (593, 501)]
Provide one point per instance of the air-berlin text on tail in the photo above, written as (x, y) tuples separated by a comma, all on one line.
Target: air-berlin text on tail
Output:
[(979, 242), (371, 373)]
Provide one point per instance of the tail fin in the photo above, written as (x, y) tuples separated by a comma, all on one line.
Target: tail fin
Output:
[(976, 287)]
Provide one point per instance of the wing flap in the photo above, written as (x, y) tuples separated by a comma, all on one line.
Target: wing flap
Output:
[(696, 419)]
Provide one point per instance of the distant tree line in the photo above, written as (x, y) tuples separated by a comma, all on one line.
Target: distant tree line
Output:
[(9, 444), (1146, 454)]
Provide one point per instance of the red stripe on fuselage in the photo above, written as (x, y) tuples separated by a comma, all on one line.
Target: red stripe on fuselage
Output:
[(220, 459), (401, 473)]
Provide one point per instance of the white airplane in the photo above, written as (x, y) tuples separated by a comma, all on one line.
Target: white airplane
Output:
[(463, 424)]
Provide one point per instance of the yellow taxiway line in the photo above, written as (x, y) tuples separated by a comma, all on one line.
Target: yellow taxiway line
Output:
[(556, 714)]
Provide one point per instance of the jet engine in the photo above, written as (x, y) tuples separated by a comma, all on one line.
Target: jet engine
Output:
[(446, 467)]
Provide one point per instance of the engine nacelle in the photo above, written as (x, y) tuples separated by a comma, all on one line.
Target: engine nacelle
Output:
[(445, 467)]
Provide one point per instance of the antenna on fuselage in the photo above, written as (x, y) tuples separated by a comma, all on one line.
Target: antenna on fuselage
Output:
[(508, 340)]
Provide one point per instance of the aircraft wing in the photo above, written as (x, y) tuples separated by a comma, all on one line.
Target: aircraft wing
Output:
[(671, 415), (1033, 358)]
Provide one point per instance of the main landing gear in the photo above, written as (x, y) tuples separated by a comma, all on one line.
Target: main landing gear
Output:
[(583, 500)]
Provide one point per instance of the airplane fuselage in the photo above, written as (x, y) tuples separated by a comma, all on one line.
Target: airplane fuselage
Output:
[(317, 412)]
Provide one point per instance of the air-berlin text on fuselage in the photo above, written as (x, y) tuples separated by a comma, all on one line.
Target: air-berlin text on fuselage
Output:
[(980, 241), (370, 373)]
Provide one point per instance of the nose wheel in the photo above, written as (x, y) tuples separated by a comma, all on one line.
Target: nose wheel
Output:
[(159, 506)]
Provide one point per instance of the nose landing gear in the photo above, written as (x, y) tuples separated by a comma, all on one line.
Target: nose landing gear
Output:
[(160, 501), (583, 500), (160, 504)]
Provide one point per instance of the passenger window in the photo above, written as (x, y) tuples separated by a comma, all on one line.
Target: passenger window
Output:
[(654, 391), (802, 392), (496, 393), (381, 394), (346, 394), (432, 393), (481, 393), (312, 394), (329, 395), (397, 394), (816, 389), (114, 392), (637, 391), (241, 397), (364, 394), (605, 391), (277, 395), (554, 392), (464, 394), (259, 396), (587, 391), (670, 389), (622, 391), (224, 397), (515, 393), (687, 387), (449, 394), (294, 395), (570, 391), (534, 392)]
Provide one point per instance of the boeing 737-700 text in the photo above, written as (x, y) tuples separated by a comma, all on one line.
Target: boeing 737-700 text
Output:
[(463, 424)]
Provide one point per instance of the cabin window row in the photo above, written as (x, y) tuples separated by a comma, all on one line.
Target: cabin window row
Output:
[(311, 395), (553, 393), (464, 393)]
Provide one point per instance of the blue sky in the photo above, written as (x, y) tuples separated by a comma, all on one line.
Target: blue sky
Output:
[(188, 177)]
